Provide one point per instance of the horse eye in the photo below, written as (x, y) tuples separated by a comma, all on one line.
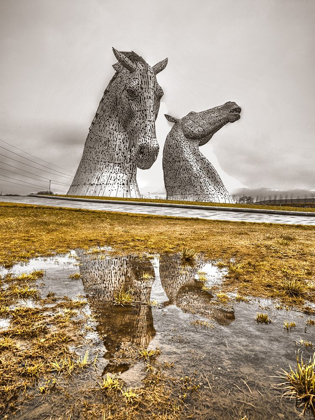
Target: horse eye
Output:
[(131, 93)]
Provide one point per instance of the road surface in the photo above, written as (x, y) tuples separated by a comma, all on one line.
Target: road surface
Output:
[(205, 213)]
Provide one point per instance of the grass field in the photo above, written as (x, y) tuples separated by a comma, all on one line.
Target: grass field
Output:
[(263, 259)]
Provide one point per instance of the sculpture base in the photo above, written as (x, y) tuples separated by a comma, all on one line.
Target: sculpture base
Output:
[(103, 191)]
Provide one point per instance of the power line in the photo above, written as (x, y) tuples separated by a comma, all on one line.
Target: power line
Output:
[(37, 186), (32, 173), (27, 164), (51, 164), (34, 162), (4, 180), (36, 179), (7, 176)]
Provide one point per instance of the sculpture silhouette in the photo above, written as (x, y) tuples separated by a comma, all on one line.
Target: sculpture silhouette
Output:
[(122, 134), (188, 175)]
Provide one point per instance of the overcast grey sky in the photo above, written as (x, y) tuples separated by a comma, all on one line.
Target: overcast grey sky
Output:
[(56, 58)]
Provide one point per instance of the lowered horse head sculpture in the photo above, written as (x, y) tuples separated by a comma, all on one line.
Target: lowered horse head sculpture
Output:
[(122, 135), (188, 175)]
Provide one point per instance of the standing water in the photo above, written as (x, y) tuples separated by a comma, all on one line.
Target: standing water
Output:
[(133, 305)]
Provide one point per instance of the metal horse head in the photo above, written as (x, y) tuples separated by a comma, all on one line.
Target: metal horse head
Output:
[(188, 175), (138, 100), (122, 134), (203, 125)]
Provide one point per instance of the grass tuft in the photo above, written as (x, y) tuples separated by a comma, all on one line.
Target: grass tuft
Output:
[(34, 275), (263, 318), (110, 384), (6, 343), (240, 298), (289, 325), (294, 288), (305, 343), (123, 298), (188, 255), (130, 396), (23, 292), (202, 278), (84, 361), (147, 277), (75, 276), (222, 297), (148, 354), (300, 383)]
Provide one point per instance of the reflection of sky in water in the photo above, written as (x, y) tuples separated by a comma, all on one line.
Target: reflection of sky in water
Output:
[(214, 274), (41, 264), (56, 279), (157, 292)]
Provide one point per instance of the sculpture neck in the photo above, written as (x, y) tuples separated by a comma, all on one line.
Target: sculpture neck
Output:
[(107, 166), (108, 135), (106, 122)]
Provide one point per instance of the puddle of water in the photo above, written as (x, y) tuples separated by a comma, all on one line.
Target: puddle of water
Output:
[(40, 264), (214, 275), (158, 294), (235, 358)]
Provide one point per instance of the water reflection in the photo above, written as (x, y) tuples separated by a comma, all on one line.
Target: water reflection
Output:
[(242, 358), (180, 282), (124, 329)]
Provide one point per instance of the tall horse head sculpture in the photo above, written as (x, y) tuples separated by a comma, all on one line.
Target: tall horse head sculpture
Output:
[(188, 175), (122, 134)]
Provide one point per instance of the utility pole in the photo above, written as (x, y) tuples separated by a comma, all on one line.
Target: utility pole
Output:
[(49, 185)]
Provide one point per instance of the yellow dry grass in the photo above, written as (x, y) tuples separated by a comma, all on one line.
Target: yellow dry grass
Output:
[(262, 259)]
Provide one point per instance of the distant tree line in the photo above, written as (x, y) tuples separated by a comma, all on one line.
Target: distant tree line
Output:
[(281, 199)]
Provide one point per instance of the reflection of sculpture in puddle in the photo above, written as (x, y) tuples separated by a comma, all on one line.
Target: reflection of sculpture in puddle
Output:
[(124, 329), (184, 291)]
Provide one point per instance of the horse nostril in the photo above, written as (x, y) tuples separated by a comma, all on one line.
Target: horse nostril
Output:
[(141, 150)]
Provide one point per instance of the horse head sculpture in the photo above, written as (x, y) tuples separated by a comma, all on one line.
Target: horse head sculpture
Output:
[(122, 135), (188, 175)]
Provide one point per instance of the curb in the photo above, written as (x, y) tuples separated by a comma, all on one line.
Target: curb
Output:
[(183, 206)]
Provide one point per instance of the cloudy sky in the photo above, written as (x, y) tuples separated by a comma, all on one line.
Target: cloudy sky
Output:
[(56, 58)]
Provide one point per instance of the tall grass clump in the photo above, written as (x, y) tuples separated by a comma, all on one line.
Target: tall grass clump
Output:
[(294, 288), (188, 255), (300, 383), (123, 298), (263, 318)]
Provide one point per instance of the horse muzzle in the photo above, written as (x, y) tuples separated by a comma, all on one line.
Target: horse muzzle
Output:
[(147, 153)]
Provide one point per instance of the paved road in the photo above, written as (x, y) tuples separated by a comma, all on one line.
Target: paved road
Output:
[(167, 211)]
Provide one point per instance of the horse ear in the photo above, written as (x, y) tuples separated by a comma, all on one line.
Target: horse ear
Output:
[(157, 68), (171, 119), (117, 67), (124, 61)]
